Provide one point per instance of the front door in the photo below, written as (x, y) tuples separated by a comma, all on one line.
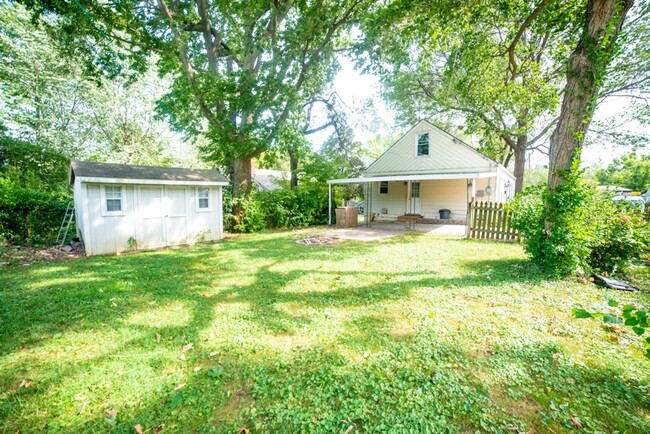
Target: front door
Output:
[(415, 207)]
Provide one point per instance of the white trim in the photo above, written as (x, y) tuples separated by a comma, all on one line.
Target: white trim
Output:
[(86, 235), (123, 207), (198, 199), (413, 177), (417, 144), (148, 181)]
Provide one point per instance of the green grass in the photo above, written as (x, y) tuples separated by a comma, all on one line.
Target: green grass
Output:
[(411, 334)]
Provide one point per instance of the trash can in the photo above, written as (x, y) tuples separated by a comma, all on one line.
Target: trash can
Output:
[(445, 214)]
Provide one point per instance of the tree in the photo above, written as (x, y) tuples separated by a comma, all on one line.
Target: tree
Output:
[(585, 74), (629, 171), (241, 71), (53, 104), (494, 64)]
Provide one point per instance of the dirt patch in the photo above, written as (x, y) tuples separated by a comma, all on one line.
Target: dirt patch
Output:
[(11, 255), (317, 241)]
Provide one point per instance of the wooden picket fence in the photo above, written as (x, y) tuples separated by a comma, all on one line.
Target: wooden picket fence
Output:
[(490, 221)]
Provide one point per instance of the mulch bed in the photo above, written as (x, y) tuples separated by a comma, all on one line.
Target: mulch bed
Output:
[(12, 255)]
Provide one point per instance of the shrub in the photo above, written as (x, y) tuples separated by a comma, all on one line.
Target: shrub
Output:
[(574, 229), (281, 208), (30, 216)]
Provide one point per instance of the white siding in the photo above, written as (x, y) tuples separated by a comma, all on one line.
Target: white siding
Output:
[(434, 195), (446, 155), (154, 216)]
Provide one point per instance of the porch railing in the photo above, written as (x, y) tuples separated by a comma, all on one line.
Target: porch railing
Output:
[(490, 221)]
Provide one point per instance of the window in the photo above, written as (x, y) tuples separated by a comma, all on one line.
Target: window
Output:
[(415, 189), (204, 198), (383, 187), (113, 197), (423, 144)]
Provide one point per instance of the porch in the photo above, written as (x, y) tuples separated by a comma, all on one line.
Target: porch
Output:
[(419, 199)]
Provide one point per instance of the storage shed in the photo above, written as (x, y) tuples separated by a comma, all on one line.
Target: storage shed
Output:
[(121, 207)]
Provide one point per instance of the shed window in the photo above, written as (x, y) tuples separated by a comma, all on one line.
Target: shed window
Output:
[(423, 144), (113, 199), (204, 198), (383, 187)]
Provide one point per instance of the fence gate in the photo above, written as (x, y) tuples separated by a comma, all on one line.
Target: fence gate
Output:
[(490, 221)]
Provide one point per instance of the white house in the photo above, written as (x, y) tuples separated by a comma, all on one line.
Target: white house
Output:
[(121, 207), (426, 171)]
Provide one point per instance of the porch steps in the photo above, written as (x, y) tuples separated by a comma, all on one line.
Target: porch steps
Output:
[(418, 218)]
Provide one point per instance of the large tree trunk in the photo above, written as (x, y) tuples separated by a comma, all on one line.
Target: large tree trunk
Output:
[(242, 176), (586, 70), (293, 165), (520, 162), (520, 167)]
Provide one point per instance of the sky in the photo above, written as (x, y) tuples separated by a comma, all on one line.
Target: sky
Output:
[(353, 88)]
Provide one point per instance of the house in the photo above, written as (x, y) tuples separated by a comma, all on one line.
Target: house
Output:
[(267, 179), (430, 176), (122, 207)]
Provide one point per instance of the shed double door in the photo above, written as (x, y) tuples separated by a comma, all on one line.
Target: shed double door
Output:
[(162, 214)]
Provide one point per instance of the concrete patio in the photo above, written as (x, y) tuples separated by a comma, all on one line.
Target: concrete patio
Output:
[(384, 230)]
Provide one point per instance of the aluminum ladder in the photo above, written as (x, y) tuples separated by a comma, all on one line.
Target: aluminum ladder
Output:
[(65, 224)]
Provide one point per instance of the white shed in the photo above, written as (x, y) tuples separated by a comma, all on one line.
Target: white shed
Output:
[(121, 207)]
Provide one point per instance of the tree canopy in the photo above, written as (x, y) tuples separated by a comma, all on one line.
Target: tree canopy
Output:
[(241, 71), (630, 171)]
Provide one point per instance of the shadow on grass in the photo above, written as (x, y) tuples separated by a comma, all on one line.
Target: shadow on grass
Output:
[(423, 383)]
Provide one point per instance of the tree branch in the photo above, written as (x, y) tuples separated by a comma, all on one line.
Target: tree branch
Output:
[(518, 35)]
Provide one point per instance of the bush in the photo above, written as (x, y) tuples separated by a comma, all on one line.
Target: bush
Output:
[(30, 216), (282, 208), (576, 230)]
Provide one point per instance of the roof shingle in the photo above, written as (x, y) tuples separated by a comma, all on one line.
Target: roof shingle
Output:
[(89, 169)]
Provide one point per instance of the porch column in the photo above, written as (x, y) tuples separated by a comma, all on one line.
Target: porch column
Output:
[(329, 205)]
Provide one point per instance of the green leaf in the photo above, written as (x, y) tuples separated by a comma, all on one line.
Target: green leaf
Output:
[(612, 302), (581, 313), (177, 399), (216, 371), (627, 308), (611, 319), (631, 322), (638, 330)]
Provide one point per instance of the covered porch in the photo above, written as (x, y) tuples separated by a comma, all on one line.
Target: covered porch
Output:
[(419, 199)]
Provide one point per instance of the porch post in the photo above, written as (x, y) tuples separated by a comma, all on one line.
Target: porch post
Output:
[(329, 205)]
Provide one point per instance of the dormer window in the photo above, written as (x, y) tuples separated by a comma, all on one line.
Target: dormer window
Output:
[(423, 144)]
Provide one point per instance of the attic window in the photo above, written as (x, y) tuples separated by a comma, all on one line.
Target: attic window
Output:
[(423, 144)]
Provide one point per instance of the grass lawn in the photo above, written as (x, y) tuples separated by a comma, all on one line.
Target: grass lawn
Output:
[(411, 334)]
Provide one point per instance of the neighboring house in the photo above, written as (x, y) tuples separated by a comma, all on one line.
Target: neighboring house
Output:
[(270, 179), (646, 196), (121, 207), (426, 171)]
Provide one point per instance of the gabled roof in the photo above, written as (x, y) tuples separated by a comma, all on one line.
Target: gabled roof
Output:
[(132, 174), (447, 155), (268, 179)]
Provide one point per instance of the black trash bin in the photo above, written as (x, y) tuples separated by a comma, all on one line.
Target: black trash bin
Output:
[(445, 214)]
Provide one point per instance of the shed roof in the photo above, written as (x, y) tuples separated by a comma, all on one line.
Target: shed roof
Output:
[(129, 173)]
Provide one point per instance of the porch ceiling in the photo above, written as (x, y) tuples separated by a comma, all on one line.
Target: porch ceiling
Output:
[(467, 175)]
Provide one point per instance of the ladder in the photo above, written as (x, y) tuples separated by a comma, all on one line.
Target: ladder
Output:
[(65, 224)]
